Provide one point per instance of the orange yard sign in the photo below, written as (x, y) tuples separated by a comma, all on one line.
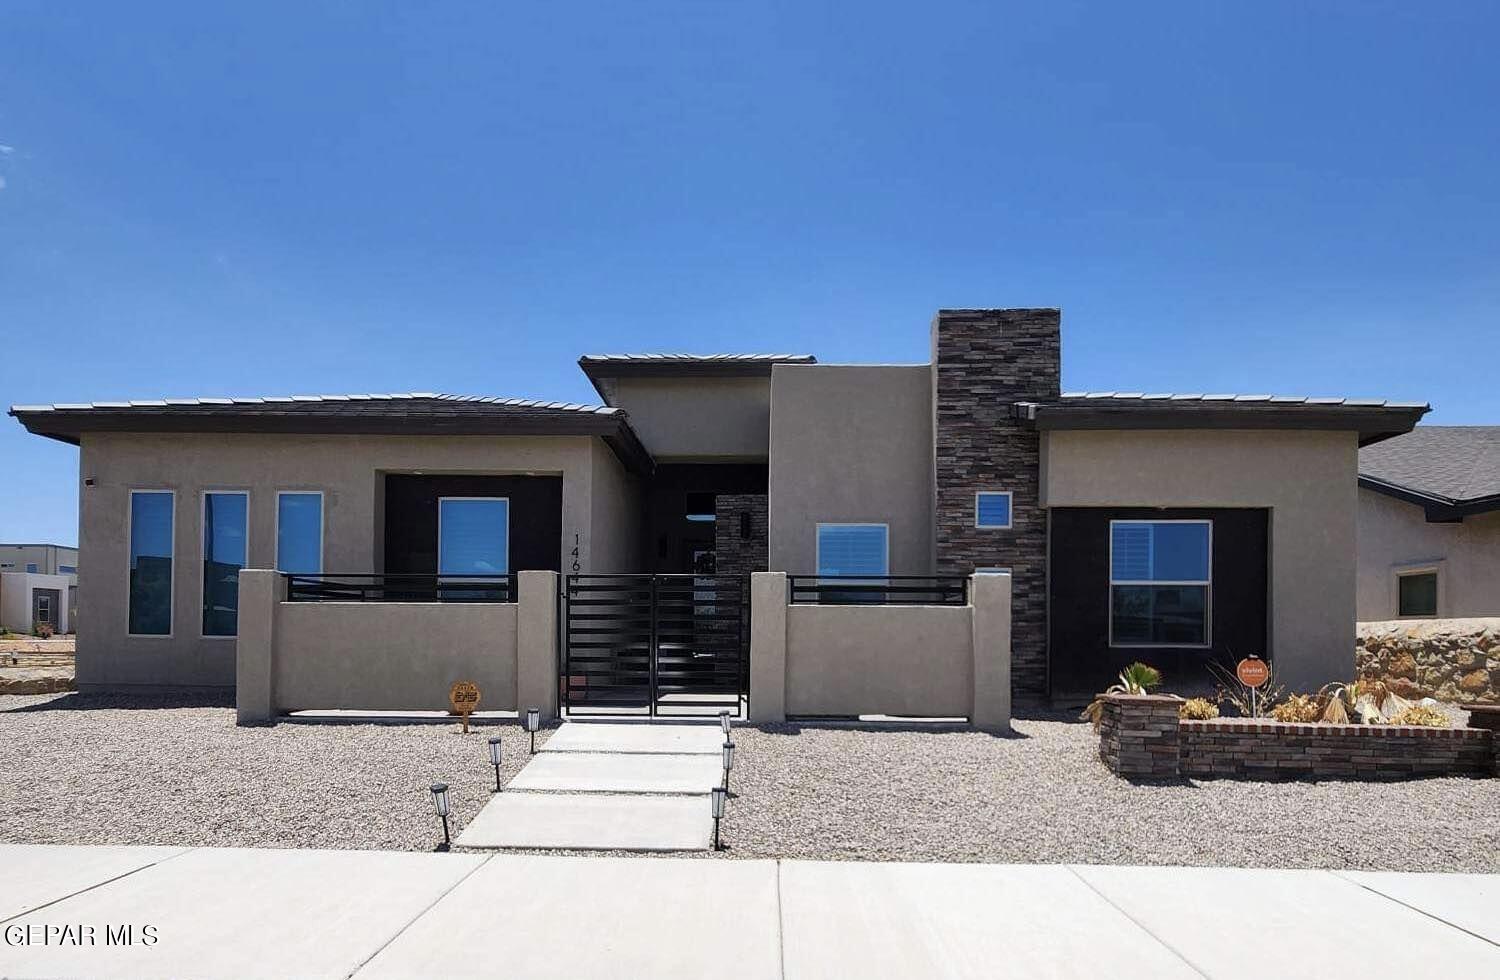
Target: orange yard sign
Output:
[(464, 697), (1252, 672)]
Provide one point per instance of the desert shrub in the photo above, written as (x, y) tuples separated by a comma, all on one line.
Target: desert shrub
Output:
[(1421, 714), (1138, 678), (1198, 709), (1303, 708), (43, 630)]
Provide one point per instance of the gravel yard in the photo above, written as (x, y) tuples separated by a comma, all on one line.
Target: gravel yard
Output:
[(111, 769)]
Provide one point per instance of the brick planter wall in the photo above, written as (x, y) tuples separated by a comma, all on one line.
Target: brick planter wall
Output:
[(1138, 735), (1141, 736), (1281, 750)]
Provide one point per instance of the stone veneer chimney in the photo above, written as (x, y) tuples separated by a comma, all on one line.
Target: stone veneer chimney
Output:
[(983, 361)]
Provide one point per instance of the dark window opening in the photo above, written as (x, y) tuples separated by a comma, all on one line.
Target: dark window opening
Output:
[(1417, 594)]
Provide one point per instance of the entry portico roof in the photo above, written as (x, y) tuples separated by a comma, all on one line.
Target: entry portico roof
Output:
[(424, 413)]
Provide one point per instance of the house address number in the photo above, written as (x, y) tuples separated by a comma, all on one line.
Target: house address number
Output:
[(577, 543)]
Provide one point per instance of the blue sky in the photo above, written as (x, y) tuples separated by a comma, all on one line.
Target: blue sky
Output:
[(325, 197)]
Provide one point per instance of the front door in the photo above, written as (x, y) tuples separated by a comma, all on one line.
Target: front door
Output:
[(44, 606)]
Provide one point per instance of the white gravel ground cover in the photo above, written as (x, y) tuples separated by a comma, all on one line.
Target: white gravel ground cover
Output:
[(103, 769)]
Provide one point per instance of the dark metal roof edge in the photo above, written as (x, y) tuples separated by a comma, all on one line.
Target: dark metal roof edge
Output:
[(595, 368), (1437, 506), (614, 427), (1374, 423)]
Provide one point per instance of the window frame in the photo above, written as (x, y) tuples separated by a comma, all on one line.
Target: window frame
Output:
[(1398, 572), (440, 501), (322, 529), (172, 554), (818, 546), (202, 539), (1010, 510), (1208, 587)]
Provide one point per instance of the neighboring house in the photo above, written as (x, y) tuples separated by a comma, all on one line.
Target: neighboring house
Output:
[(1429, 524), (33, 600), (29, 598), (1165, 528), (43, 559)]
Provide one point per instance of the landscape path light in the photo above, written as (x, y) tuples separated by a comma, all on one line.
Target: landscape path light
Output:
[(440, 803), (728, 763), (724, 722), (533, 722), (495, 759), (716, 797)]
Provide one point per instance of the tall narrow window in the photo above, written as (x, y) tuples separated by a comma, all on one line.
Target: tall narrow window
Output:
[(1159, 583), (853, 549), (299, 532), (150, 563), (225, 548), (473, 536)]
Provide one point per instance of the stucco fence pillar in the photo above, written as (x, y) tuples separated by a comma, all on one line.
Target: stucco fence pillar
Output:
[(392, 656), (849, 660)]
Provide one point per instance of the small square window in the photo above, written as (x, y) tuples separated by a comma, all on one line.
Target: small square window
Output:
[(992, 509), (1417, 594)]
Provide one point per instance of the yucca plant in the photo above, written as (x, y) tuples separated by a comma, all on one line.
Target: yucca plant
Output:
[(1138, 678)]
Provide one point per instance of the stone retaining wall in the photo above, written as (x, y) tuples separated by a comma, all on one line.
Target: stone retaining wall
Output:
[(1447, 659), (1140, 736)]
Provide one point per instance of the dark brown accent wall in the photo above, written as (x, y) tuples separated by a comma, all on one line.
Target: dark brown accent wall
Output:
[(735, 553), (983, 362), (411, 518), (1083, 662)]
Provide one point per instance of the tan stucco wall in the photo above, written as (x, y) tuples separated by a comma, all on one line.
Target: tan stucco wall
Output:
[(393, 656), (348, 469), (1395, 534), (617, 508), (898, 660), (697, 418), (851, 444), (1307, 479)]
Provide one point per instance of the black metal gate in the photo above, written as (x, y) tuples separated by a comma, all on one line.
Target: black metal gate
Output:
[(656, 644)]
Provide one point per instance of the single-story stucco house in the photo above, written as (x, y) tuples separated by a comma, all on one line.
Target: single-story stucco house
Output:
[(1429, 524), (1135, 526)]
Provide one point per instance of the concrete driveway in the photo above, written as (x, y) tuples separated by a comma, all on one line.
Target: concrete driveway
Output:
[(176, 912)]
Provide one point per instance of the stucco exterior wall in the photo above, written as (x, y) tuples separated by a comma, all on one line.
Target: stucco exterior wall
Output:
[(1308, 481), (846, 661), (350, 472), (393, 656), (1394, 534), (851, 444), (897, 660), (617, 509), (679, 419)]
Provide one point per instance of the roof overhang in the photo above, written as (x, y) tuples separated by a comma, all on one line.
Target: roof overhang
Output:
[(69, 425), (603, 368), (1437, 508), (1372, 422)]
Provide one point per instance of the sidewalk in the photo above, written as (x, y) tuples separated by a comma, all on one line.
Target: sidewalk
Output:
[(307, 913)]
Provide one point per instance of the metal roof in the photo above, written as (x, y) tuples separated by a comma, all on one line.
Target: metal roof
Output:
[(425, 397), (1139, 396)]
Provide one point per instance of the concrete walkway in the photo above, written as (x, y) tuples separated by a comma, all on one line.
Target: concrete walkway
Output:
[(278, 913), (631, 786)]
